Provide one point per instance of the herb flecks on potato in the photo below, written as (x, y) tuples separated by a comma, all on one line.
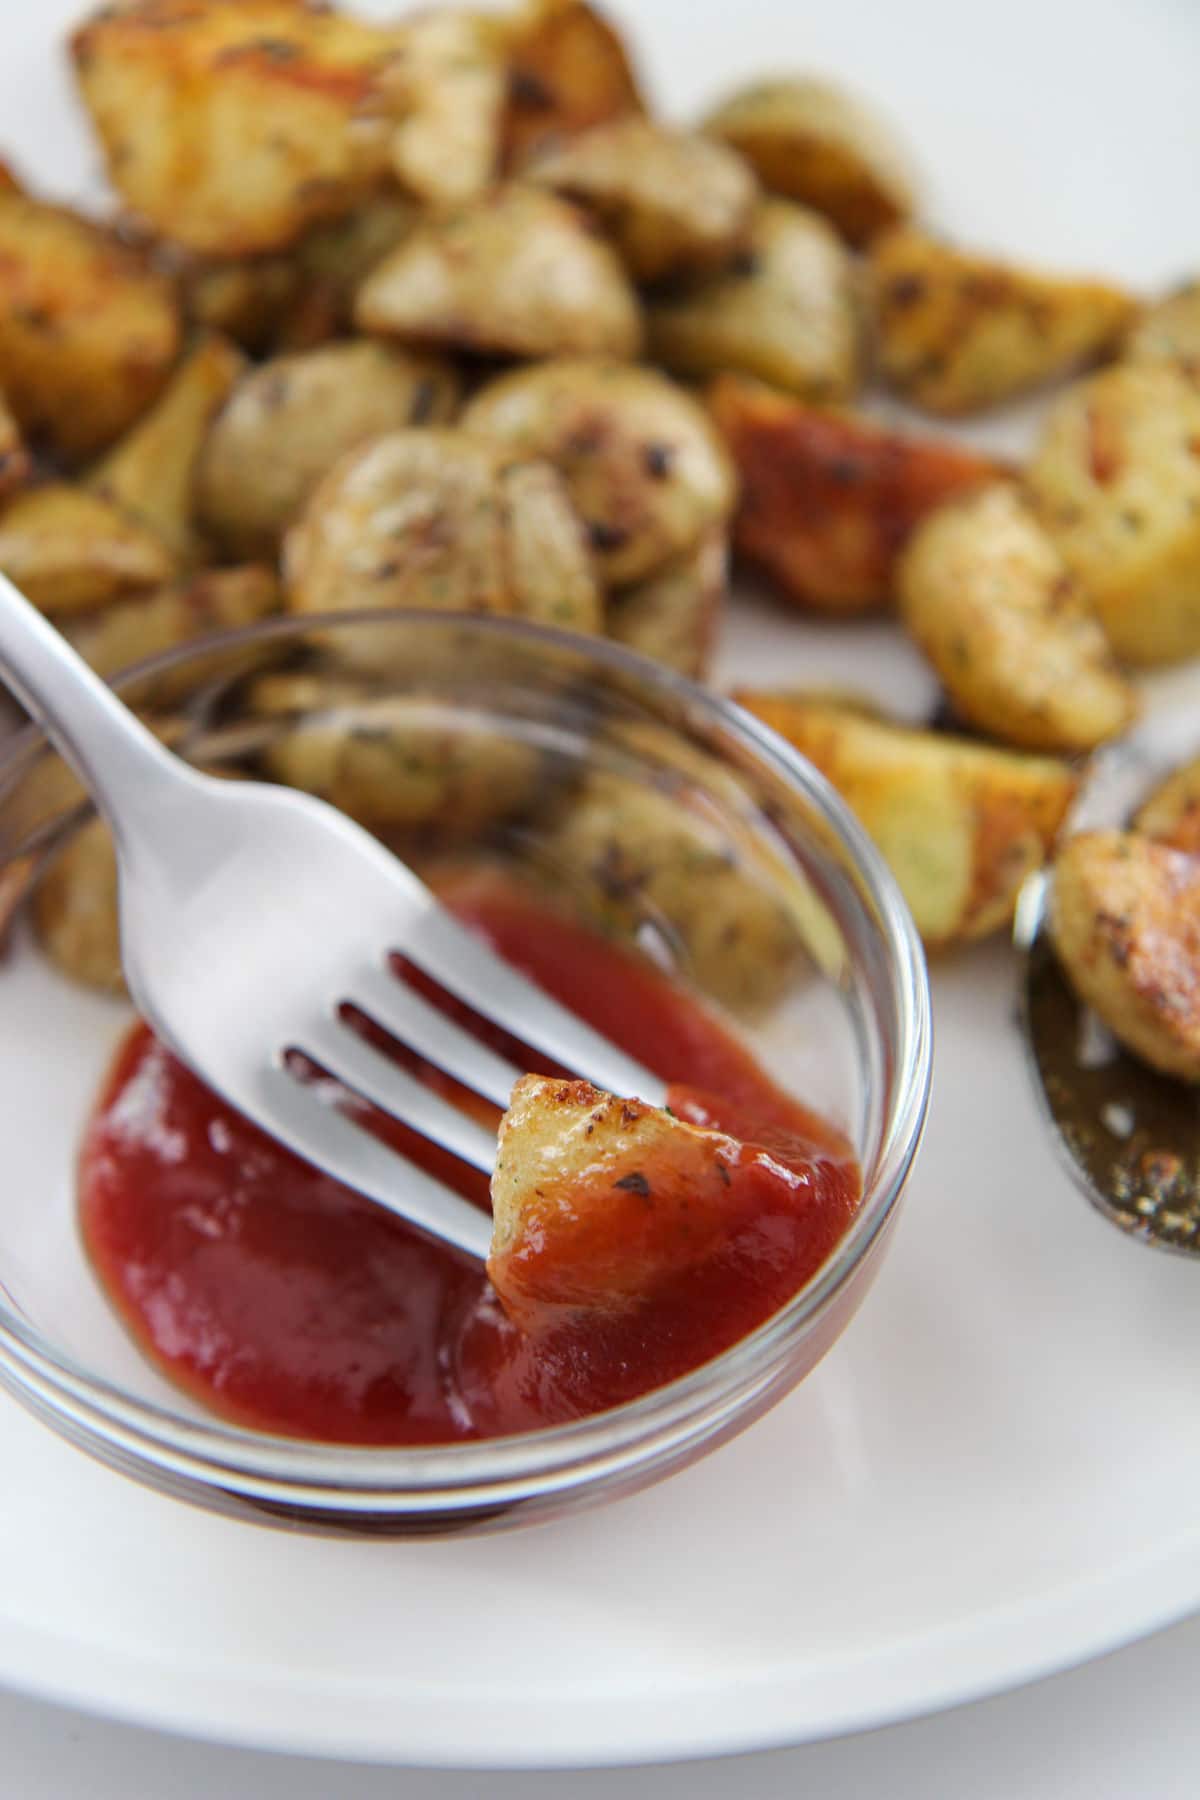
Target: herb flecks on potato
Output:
[(829, 499), (957, 332), (674, 616), (1009, 630)]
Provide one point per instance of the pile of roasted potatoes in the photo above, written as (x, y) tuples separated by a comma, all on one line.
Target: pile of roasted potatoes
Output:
[(435, 313)]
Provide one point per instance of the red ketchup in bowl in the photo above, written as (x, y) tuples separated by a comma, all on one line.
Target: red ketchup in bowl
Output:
[(284, 1302)]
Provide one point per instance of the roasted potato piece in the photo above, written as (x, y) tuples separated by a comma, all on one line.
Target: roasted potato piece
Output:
[(956, 332), (628, 856), (597, 1201), (1125, 921), (567, 71), (14, 458), (960, 824), (395, 764), (672, 202), (217, 600), (813, 142), (1009, 630), (644, 467), (787, 312), (674, 616), (88, 333), (289, 420), (230, 126), (451, 80), (8, 181), (515, 274), (68, 550), (1169, 332), (1171, 814), (829, 499), (1116, 482), (430, 518), (75, 910), (150, 473), (247, 300)]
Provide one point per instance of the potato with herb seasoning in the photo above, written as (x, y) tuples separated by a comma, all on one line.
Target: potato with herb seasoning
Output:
[(147, 625), (70, 551), (88, 332), (786, 312), (288, 420), (673, 202), (567, 71), (644, 467), (150, 473), (813, 142), (1009, 630), (1169, 332), (450, 81), (956, 332), (1125, 921), (960, 824), (828, 499), (674, 615), (1115, 480), (230, 126), (516, 273)]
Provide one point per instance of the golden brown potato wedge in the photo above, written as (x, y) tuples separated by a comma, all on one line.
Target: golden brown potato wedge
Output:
[(230, 126), (787, 312), (75, 910), (829, 499), (1125, 921), (515, 274), (673, 202), (69, 551), (1171, 814), (88, 333), (396, 763), (674, 616), (430, 518), (150, 473), (216, 600), (956, 332), (1008, 628), (1116, 482), (644, 466), (15, 466), (450, 81), (289, 419), (816, 143), (567, 71), (1170, 332), (960, 824)]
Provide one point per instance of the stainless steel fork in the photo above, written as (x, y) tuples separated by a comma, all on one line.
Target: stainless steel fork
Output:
[(252, 915)]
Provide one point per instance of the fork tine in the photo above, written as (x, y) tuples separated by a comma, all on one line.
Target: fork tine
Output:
[(471, 970), (409, 1017), (373, 1075), (352, 1155)]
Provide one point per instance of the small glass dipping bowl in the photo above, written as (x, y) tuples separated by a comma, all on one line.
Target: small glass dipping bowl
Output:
[(475, 738)]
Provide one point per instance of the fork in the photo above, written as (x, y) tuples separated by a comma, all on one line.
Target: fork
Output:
[(252, 915)]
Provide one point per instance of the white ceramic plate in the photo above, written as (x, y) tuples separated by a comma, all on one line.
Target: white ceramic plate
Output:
[(994, 1474)]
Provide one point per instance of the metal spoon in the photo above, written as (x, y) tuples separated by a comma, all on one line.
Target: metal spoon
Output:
[(1128, 1136)]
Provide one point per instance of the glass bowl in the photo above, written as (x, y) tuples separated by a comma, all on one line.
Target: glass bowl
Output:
[(475, 738)]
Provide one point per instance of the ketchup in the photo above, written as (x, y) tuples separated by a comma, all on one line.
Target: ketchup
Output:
[(285, 1302)]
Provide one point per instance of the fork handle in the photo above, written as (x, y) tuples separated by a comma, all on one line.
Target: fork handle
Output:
[(123, 766)]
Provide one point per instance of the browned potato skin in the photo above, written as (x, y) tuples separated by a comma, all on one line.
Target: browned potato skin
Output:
[(960, 824), (567, 71), (1169, 332), (217, 600), (514, 274), (788, 313), (828, 499), (1171, 814), (288, 421), (88, 333), (644, 467), (1115, 480), (674, 616), (1009, 630), (957, 333), (15, 466), (69, 551), (230, 126), (673, 202), (75, 910), (818, 144), (150, 473), (1125, 921)]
